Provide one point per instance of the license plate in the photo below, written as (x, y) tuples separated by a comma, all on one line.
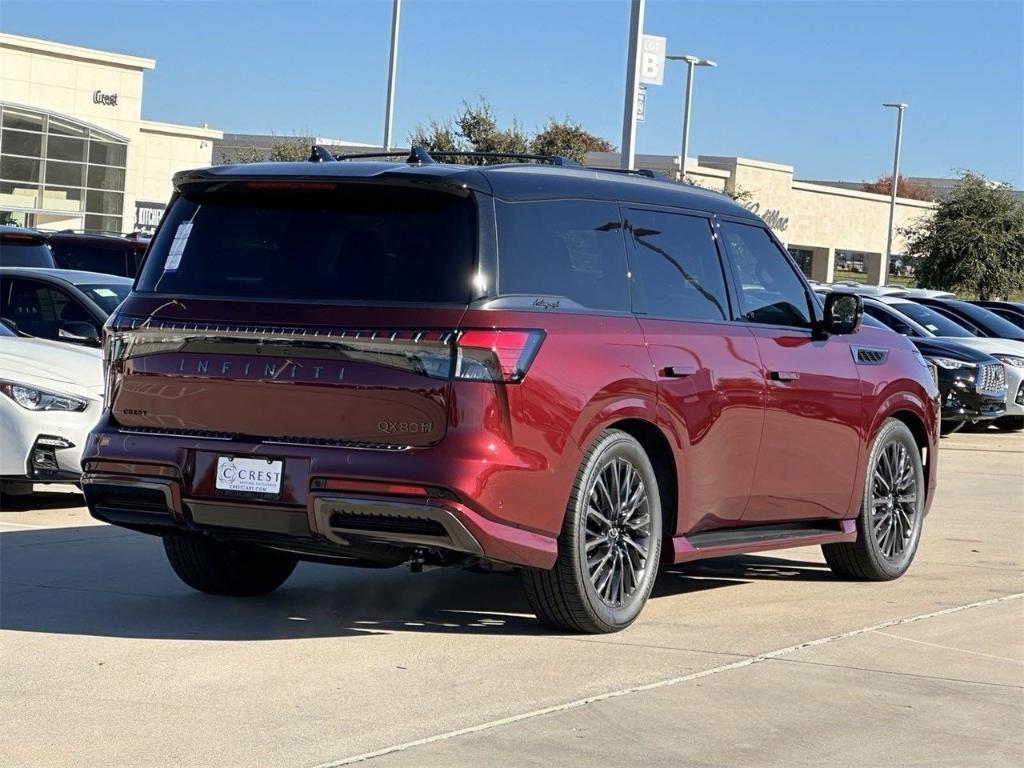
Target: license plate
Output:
[(261, 477)]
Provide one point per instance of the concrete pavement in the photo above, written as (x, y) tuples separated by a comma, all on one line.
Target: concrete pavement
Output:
[(106, 659)]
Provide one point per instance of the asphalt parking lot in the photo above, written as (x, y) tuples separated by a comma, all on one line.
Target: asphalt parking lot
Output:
[(107, 660)]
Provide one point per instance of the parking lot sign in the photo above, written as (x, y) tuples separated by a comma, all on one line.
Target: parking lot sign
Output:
[(641, 104), (652, 59)]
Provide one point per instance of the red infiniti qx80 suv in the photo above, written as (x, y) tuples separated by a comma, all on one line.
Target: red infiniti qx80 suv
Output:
[(576, 373)]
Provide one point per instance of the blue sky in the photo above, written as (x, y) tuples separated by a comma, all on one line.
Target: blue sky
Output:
[(798, 82)]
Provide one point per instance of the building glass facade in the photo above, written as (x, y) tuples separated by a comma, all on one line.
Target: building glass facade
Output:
[(60, 173)]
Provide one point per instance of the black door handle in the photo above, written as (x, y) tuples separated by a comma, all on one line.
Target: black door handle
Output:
[(784, 375), (678, 371)]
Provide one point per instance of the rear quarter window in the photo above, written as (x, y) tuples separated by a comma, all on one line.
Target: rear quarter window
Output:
[(565, 248), (367, 244)]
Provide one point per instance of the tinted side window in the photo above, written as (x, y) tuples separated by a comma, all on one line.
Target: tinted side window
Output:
[(570, 248), (36, 308), (675, 267), (91, 258), (889, 320), (769, 290)]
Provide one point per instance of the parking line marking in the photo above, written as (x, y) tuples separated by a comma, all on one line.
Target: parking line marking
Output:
[(24, 525), (511, 719)]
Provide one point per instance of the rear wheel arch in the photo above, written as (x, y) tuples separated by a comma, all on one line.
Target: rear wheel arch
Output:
[(659, 451)]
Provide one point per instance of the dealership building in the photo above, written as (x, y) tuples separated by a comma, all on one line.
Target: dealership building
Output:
[(76, 153)]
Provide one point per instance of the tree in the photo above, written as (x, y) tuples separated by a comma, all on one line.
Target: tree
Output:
[(475, 129), (974, 243), (283, 149), (569, 139), (913, 190)]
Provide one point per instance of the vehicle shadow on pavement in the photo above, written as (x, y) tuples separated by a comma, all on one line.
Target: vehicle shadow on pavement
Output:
[(740, 568), (108, 582), (38, 500)]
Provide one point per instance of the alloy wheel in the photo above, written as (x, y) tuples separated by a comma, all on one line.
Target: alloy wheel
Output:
[(617, 532), (894, 506)]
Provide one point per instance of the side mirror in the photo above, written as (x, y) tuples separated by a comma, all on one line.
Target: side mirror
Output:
[(843, 313), (79, 332)]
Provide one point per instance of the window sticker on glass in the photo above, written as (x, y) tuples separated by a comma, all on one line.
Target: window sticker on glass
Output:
[(178, 246), (104, 292)]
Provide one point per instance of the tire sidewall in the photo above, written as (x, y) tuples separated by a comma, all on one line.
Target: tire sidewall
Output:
[(892, 430), (622, 446)]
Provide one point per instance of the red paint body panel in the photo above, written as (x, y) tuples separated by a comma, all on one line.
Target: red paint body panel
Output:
[(813, 428), (714, 415)]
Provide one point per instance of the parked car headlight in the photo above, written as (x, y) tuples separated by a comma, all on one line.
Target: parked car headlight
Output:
[(950, 364), (1015, 360), (40, 400)]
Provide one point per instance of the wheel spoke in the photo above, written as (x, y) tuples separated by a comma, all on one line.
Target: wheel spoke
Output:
[(602, 490), (639, 522), (593, 514), (881, 479), (616, 486), (597, 564)]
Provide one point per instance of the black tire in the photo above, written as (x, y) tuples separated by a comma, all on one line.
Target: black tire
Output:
[(887, 539), (1009, 423), (565, 597), (217, 568)]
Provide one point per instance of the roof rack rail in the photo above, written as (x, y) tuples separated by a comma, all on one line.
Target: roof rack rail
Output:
[(416, 155), (649, 173), (320, 154), (420, 156)]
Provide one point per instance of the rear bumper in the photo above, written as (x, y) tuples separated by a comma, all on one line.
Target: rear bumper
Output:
[(331, 524)]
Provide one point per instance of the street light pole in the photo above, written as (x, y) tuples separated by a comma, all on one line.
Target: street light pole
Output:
[(396, 12), (627, 157), (883, 276), (691, 62)]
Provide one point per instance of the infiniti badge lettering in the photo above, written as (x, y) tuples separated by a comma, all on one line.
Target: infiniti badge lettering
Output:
[(262, 370)]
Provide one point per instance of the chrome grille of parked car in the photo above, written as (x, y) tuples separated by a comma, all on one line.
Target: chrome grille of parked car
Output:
[(991, 378)]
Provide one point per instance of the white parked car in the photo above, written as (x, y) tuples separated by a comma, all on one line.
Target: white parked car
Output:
[(51, 395)]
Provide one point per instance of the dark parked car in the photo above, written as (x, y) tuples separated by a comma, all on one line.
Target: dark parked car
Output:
[(60, 304), (1011, 311), (572, 372), (110, 254), (971, 383), (978, 320), (21, 247)]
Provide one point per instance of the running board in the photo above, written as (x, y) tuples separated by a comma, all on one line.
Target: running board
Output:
[(754, 538)]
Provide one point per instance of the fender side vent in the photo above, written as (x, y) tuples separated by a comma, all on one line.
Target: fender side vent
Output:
[(869, 355)]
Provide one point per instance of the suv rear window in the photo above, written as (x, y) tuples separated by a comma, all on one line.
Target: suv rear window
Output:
[(379, 244), (18, 251)]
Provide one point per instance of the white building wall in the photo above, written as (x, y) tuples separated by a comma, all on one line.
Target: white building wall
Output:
[(65, 79)]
